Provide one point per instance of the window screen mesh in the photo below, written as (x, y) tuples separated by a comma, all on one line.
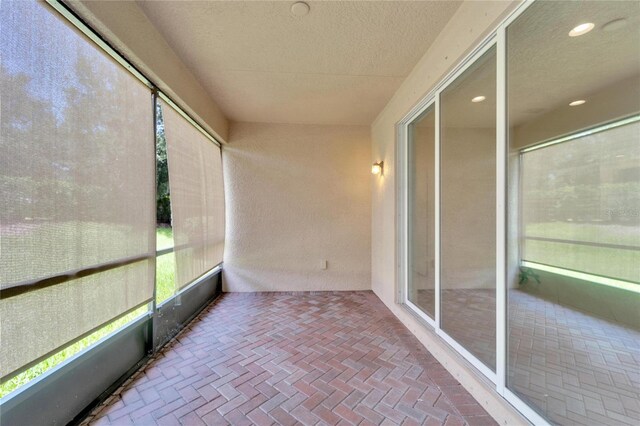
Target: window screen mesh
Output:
[(76, 184), (197, 197), (580, 204)]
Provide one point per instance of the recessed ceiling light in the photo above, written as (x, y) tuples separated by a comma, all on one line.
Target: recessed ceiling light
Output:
[(478, 99), (300, 8), (578, 102), (581, 29), (614, 25), (619, 155)]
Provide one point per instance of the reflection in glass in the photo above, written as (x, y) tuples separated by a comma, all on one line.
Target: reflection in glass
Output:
[(573, 273), (421, 154), (468, 199)]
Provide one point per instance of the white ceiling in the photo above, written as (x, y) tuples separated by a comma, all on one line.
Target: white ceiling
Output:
[(339, 64), (548, 69)]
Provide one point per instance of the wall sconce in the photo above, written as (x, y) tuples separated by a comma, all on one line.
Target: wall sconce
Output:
[(377, 168)]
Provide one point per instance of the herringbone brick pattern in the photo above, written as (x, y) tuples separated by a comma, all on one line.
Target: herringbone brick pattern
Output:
[(468, 316), (576, 369), (294, 358)]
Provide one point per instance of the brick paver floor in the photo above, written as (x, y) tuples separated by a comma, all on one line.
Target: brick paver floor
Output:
[(576, 369), (293, 358)]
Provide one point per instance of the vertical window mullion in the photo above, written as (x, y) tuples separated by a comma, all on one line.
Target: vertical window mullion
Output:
[(437, 212), (501, 196)]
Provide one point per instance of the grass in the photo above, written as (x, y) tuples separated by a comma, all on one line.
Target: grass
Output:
[(165, 265), (57, 358), (165, 288), (165, 277), (164, 237), (606, 233)]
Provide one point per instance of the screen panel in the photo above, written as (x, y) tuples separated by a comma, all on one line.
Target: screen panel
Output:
[(76, 184), (578, 199), (573, 229), (197, 197)]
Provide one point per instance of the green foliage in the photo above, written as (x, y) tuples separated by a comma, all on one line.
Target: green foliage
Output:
[(526, 273), (163, 201)]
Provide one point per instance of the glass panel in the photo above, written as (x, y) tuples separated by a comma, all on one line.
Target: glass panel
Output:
[(76, 185), (421, 154), (468, 204), (574, 211)]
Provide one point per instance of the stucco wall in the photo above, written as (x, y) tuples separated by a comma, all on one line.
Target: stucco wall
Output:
[(297, 195), (471, 23)]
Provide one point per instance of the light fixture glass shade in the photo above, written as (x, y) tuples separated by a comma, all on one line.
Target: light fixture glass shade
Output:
[(581, 29), (376, 168)]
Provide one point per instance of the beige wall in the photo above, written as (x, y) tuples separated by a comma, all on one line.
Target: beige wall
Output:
[(422, 226), (470, 24), (297, 195), (127, 28), (468, 209), (615, 101)]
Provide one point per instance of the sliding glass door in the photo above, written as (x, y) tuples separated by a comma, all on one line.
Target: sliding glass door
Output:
[(467, 209), (525, 257), (421, 154), (573, 277)]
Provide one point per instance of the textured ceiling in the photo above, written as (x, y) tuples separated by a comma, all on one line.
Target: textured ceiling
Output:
[(548, 69), (339, 64)]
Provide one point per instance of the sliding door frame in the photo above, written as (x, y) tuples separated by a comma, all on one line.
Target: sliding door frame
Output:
[(498, 39)]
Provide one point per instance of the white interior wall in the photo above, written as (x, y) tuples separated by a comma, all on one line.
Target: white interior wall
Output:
[(468, 221), (297, 196), (471, 23)]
